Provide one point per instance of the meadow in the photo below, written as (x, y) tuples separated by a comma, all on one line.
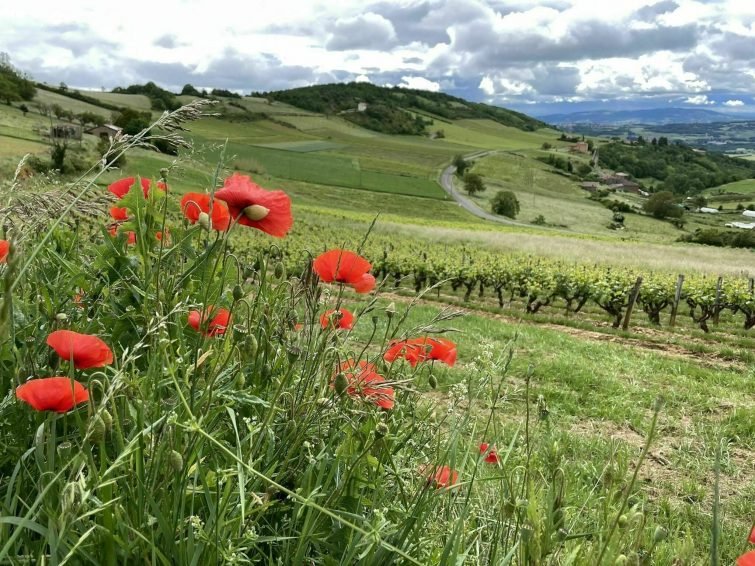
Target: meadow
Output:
[(241, 446)]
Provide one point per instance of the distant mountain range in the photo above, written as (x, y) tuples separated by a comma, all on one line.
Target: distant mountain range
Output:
[(651, 116)]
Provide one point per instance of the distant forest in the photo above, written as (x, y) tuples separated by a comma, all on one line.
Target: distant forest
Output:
[(681, 169)]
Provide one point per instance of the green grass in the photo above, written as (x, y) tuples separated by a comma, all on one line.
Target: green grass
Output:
[(71, 104), (302, 146), (745, 187), (135, 101)]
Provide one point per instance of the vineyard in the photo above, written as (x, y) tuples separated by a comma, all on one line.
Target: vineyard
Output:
[(538, 283)]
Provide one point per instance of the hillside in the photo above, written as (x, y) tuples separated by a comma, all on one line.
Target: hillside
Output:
[(437, 106), (680, 168)]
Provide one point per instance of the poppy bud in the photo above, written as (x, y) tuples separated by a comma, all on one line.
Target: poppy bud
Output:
[(176, 461), (64, 450), (341, 384), (293, 353), (390, 310), (280, 270), (660, 534), (164, 173), (374, 320), (251, 345), (107, 418), (68, 497), (623, 521), (508, 508), (433, 381), (97, 430), (61, 317), (256, 212), (381, 430), (238, 293), (240, 381), (204, 220)]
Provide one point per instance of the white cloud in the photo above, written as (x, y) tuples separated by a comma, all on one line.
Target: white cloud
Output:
[(362, 79), (734, 103), (420, 83), (699, 100)]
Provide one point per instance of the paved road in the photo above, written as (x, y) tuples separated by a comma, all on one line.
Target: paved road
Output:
[(446, 181)]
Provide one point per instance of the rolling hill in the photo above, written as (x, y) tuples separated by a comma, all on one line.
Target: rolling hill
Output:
[(390, 102)]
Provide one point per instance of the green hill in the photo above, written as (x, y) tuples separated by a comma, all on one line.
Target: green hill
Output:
[(679, 168), (386, 105)]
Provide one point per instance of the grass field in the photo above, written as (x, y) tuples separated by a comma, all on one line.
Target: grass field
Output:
[(135, 101)]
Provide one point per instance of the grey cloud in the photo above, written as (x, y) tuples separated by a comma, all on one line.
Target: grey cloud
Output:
[(649, 13), (586, 40), (412, 60), (735, 46), (413, 22), (555, 80), (168, 41), (366, 31)]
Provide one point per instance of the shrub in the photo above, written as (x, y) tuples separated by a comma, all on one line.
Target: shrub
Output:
[(473, 183), (662, 205), (505, 203)]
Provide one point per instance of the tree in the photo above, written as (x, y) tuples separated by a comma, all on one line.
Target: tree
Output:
[(505, 203), (190, 91), (24, 108), (699, 201), (132, 121), (473, 183), (662, 205), (461, 165)]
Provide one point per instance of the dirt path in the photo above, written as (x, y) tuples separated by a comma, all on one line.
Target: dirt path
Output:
[(671, 350)]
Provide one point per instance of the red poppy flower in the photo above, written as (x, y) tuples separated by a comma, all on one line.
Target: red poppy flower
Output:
[(118, 213), (365, 382), (344, 322), (194, 205), (4, 249), (57, 394), (441, 476), (122, 186), (87, 351), (492, 456), (418, 350), (343, 266), (269, 211), (216, 326), (298, 327), (747, 559), (751, 538), (113, 231)]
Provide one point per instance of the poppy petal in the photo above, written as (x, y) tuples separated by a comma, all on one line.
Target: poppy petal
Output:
[(57, 394), (239, 192), (85, 350), (4, 249)]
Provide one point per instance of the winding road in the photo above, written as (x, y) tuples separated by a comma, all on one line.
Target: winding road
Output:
[(446, 180)]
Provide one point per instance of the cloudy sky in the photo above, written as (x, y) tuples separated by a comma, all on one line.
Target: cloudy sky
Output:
[(536, 56)]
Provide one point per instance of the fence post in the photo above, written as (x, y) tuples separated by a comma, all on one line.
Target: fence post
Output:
[(632, 300), (717, 306), (752, 285), (677, 298)]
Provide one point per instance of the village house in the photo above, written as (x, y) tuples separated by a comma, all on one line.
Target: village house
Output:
[(105, 132), (580, 147)]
